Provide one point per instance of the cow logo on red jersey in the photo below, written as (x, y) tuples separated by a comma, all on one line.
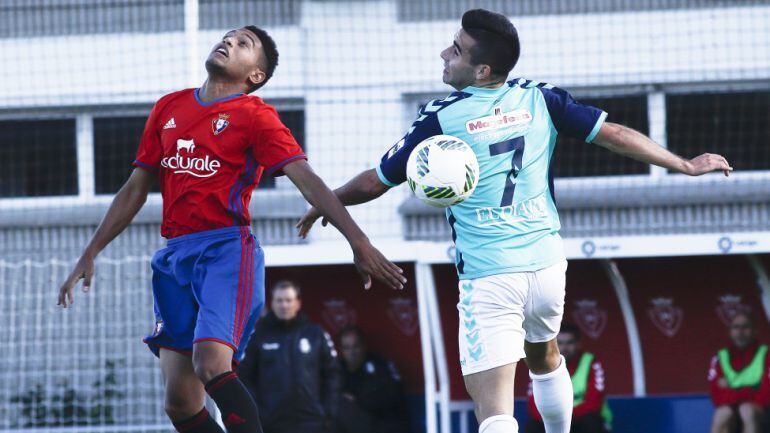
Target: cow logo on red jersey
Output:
[(729, 307), (220, 123), (590, 318), (184, 162), (403, 314), (665, 316)]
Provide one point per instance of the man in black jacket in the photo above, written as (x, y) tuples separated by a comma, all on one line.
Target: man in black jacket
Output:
[(291, 368), (372, 393)]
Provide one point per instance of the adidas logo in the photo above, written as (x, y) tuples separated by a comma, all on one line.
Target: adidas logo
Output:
[(170, 124)]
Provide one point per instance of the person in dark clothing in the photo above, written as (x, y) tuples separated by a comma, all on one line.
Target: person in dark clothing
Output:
[(372, 394), (291, 368)]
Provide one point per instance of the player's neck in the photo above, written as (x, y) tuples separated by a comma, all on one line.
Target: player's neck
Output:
[(214, 89), (489, 84)]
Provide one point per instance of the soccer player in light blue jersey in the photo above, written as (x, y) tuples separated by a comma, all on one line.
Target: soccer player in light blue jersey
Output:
[(510, 259)]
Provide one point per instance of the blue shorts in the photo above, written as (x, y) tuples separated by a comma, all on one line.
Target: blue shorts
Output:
[(208, 286)]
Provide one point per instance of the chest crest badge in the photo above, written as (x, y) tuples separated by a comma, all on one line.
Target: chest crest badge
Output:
[(220, 123)]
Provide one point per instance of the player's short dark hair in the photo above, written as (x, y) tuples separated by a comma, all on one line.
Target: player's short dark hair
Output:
[(568, 328), (497, 41), (286, 284), (271, 53), (352, 330)]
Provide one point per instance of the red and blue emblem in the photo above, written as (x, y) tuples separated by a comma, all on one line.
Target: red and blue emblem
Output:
[(220, 123)]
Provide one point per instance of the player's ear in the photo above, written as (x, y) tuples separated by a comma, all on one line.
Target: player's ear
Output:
[(483, 72), (257, 76)]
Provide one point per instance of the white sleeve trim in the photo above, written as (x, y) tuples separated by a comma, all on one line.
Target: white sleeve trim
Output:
[(597, 127)]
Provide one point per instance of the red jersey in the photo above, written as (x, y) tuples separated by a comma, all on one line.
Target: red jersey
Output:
[(593, 398), (210, 156), (721, 395)]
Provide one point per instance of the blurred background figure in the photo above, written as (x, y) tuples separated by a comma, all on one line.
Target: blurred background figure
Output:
[(590, 413), (738, 380), (291, 368), (372, 393)]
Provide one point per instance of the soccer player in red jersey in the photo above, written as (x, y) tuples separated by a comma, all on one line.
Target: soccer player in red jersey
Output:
[(209, 147)]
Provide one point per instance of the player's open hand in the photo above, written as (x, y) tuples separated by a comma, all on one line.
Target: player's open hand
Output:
[(84, 269), (306, 222), (707, 163), (371, 263)]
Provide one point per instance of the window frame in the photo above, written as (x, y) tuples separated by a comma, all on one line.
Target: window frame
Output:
[(85, 158)]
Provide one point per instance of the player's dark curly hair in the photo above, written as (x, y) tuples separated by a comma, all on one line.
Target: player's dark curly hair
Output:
[(497, 41), (271, 53)]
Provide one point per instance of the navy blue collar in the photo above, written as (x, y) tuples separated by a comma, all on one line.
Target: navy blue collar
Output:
[(214, 101)]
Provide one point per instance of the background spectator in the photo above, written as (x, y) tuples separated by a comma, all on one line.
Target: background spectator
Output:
[(372, 393), (738, 380), (291, 368), (590, 413)]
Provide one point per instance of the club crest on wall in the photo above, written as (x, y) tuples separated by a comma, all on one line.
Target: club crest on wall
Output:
[(589, 317), (665, 316)]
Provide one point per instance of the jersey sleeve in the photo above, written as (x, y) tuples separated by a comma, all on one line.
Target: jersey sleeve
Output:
[(570, 117), (392, 168), (272, 144), (150, 151)]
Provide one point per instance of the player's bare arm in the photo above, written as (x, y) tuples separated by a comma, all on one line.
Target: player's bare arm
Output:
[(363, 188), (633, 144), (124, 207), (369, 261)]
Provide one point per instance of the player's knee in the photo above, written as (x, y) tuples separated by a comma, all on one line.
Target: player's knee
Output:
[(178, 408), (206, 370), (723, 416), (749, 412)]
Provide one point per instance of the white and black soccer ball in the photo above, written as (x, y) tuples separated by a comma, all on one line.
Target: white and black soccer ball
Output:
[(442, 171)]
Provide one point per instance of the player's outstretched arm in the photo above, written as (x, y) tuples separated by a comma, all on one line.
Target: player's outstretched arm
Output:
[(633, 144), (363, 188), (124, 207), (369, 261)]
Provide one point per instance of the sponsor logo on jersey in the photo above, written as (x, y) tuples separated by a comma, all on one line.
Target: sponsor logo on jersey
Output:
[(590, 318), (184, 162), (665, 316), (270, 346), (220, 123), (729, 307), (535, 208), (170, 124), (403, 314), (498, 120)]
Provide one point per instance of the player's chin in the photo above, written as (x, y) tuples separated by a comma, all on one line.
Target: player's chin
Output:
[(215, 63)]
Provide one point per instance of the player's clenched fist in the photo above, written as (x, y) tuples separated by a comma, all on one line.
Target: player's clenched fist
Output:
[(84, 269)]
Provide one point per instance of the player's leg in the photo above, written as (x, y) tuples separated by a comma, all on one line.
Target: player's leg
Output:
[(185, 396), (175, 316), (751, 417), (491, 340), (492, 394), (724, 420), (551, 383), (229, 286)]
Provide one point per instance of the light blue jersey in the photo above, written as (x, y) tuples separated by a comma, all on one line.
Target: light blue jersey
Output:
[(509, 223)]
